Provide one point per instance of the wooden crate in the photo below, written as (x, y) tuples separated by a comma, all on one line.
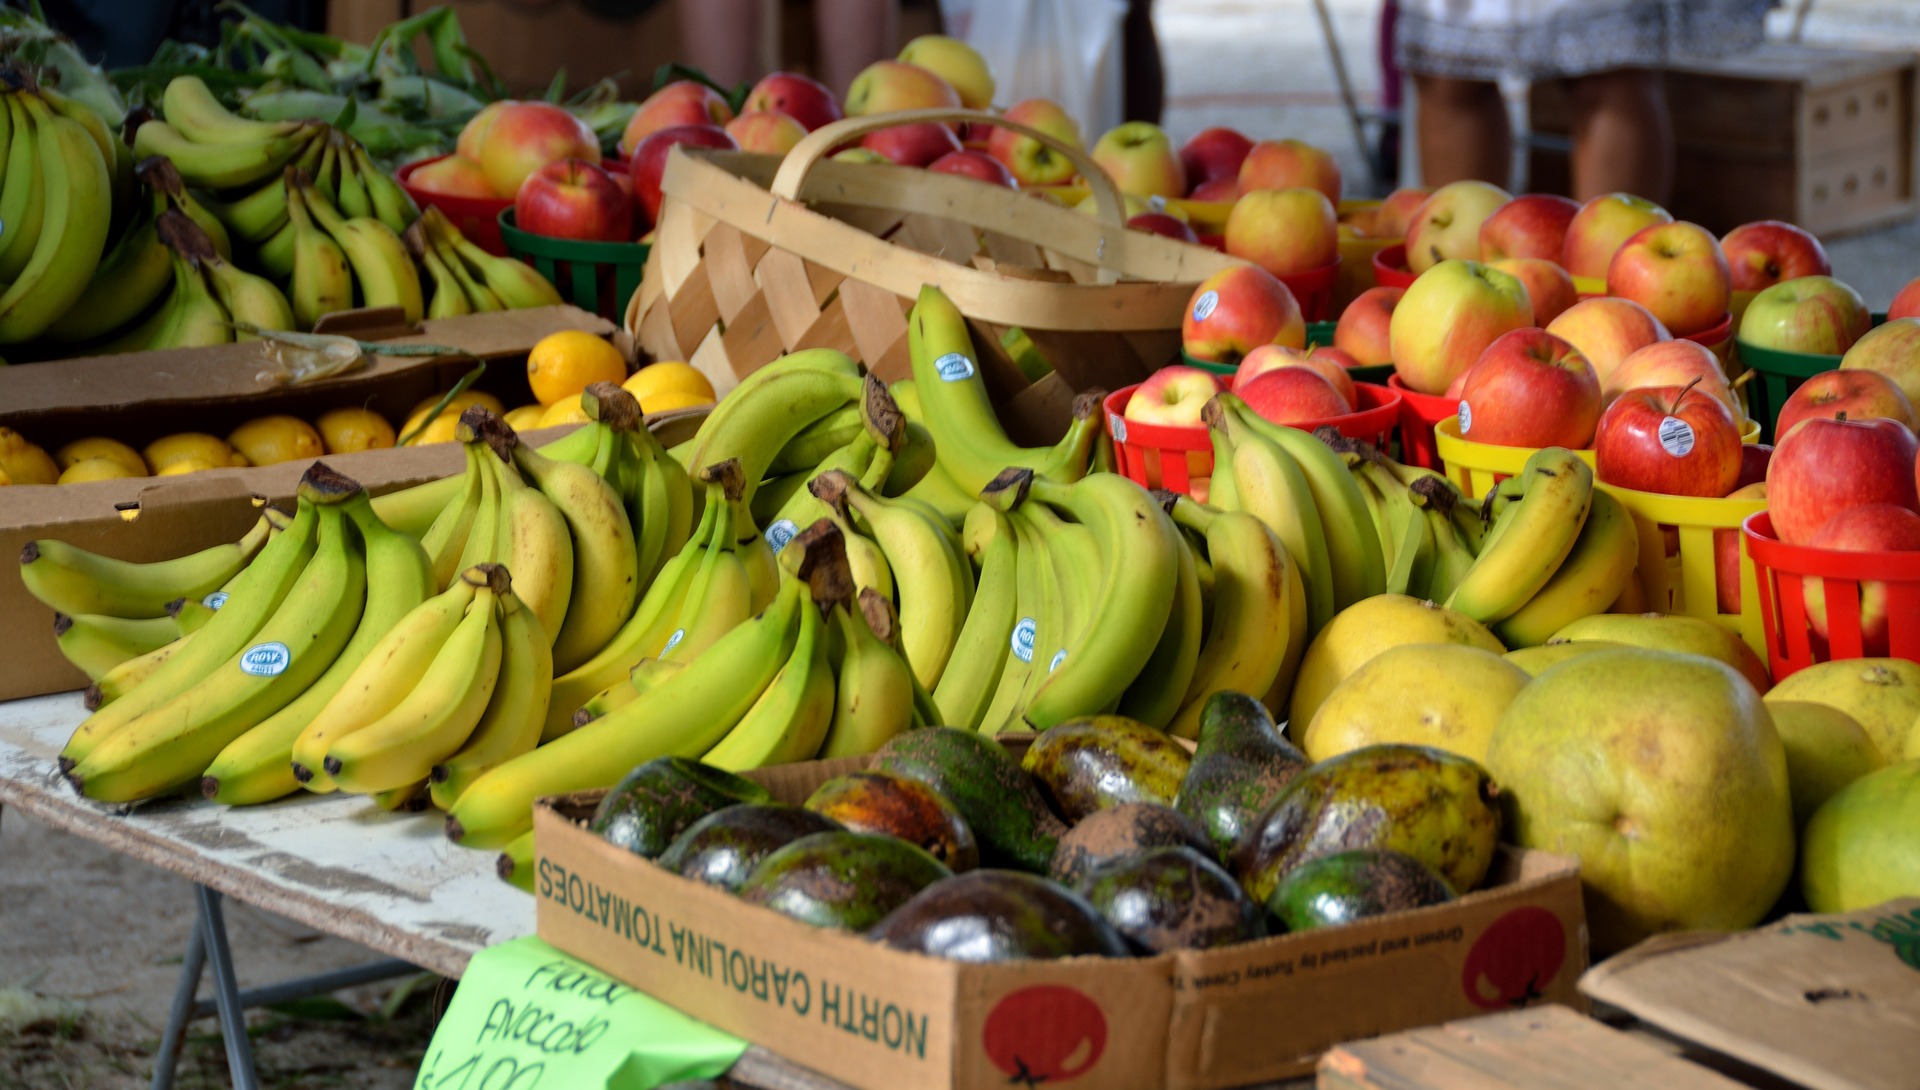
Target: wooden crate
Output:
[(1824, 138)]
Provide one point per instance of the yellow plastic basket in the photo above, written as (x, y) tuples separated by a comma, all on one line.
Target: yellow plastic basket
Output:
[(1477, 467), (1685, 581)]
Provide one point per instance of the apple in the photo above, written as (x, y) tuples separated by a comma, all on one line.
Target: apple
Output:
[(1032, 162), (1272, 357), (1676, 271), (1607, 330), (1672, 363), (1673, 440), (1448, 317), (1530, 389), (1871, 528), (1601, 226), (1216, 191), (473, 135), (974, 164), (1447, 224), (766, 132), (682, 102), (885, 87), (915, 145), (1159, 223), (1237, 310), (1823, 467), (1293, 395), (574, 199), (1214, 154), (1549, 288), (1765, 252), (1396, 212), (1363, 328), (454, 176), (1141, 160), (1284, 231), (802, 98), (1284, 164), (1753, 464), (1173, 396), (526, 136), (1130, 205), (1906, 301), (1530, 225), (1893, 349), (650, 160), (1846, 395), (953, 60), (1813, 314), (1726, 549)]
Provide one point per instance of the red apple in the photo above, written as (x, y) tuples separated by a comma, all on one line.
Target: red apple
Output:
[(1726, 550), (1285, 164), (1173, 396), (1822, 467), (1893, 349), (1159, 223), (1284, 231), (1549, 288), (1602, 226), (1530, 389), (1868, 528), (1032, 162), (1141, 160), (1906, 301), (1397, 211), (1530, 225), (1363, 330), (454, 176), (915, 145), (1668, 439), (1753, 464), (1213, 154), (1293, 395), (804, 99), (574, 199), (473, 136), (1846, 395), (885, 87), (1672, 363), (682, 102), (1765, 252), (1218, 190), (1448, 317), (766, 132), (1812, 314), (974, 164), (1447, 224), (1272, 357), (527, 136), (1607, 330), (650, 160), (1458, 386), (1676, 271), (1237, 310)]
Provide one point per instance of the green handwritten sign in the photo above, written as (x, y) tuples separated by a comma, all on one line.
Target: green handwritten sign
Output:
[(528, 1017)]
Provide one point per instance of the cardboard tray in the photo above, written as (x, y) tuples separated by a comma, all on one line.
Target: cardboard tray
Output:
[(881, 1019)]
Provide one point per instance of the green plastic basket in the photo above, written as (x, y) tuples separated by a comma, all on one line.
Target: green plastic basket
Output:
[(1321, 333), (1776, 375), (595, 276)]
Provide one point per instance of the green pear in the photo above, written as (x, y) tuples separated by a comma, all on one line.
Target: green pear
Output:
[(1882, 694), (1536, 660), (1863, 846), (1446, 695), (1826, 750)]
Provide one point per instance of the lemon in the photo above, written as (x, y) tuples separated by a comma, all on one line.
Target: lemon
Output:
[(346, 430), (441, 430), (525, 418), (96, 469), (563, 412), (25, 462), (563, 364), (197, 445), (670, 400), (668, 377), (182, 466), (98, 446), (265, 440)]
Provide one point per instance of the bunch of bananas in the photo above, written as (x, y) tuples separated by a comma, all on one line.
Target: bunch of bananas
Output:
[(469, 280), (58, 170)]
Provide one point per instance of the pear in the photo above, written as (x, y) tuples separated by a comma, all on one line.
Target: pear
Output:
[(1863, 846), (1368, 627), (1672, 632), (1882, 694), (1536, 660), (1446, 695), (1826, 750)]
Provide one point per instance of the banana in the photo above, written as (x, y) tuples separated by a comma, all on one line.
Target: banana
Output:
[(932, 579), (190, 107), (382, 268), (1358, 566), (171, 745), (445, 539), (511, 723), (1530, 538), (1269, 484), (97, 643), (874, 698), (759, 418), (481, 299), (409, 798), (130, 278), (620, 693), (248, 299), (515, 865), (658, 496), (720, 596), (23, 190), (793, 714), (350, 193), (322, 280), (819, 439), (973, 670), (1070, 593), (605, 582), (534, 543), (72, 580), (392, 204), (78, 209), (274, 254), (1156, 695), (433, 721), (221, 166), (1248, 635), (120, 680), (448, 300), (515, 284), (1452, 558), (258, 766), (1413, 557), (198, 319), (326, 177), (1591, 577), (755, 552), (260, 214), (484, 537), (1033, 605)]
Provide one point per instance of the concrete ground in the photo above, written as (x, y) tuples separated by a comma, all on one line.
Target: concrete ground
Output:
[(94, 939)]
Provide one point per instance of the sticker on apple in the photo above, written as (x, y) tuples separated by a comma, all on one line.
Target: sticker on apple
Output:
[(266, 659), (954, 367), (1515, 959), (1024, 634), (1044, 1034), (1466, 418), (1118, 425), (1204, 306), (1676, 436), (780, 533)]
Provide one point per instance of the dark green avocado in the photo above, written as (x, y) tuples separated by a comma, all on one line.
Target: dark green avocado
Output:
[(1084, 765), (1173, 899), (657, 801), (999, 802), (1241, 763), (844, 880), (994, 915), (722, 848), (1348, 886), (886, 802)]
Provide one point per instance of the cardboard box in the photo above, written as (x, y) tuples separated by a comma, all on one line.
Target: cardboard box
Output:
[(882, 1019)]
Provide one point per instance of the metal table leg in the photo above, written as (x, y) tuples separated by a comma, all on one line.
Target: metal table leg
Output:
[(226, 992), (166, 1058)]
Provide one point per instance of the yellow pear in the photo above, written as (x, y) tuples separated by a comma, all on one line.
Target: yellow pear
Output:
[(1368, 627), (1863, 846), (1672, 632), (1826, 750), (1882, 694), (1913, 743), (1536, 660), (1445, 695)]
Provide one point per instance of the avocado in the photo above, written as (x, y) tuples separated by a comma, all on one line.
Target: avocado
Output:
[(844, 880), (1435, 806), (997, 915), (999, 802), (1348, 886), (1240, 765), (722, 848), (656, 802), (1122, 830), (885, 802), (1165, 899), (1089, 764)]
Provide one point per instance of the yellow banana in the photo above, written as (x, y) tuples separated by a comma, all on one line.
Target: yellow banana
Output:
[(1248, 636), (190, 107), (1157, 693), (873, 700), (515, 713), (1603, 558), (534, 544), (120, 680), (515, 865), (605, 560), (322, 280), (1268, 483), (933, 581), (97, 643), (1530, 539), (130, 278), (790, 719), (382, 268), (973, 670), (72, 580), (763, 413), (448, 300), (1356, 562)]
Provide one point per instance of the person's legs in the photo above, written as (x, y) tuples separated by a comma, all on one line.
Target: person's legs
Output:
[(851, 34), (722, 37), (1145, 92), (1463, 131), (1622, 135)]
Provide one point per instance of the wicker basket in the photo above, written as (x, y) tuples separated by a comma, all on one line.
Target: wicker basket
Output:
[(756, 257)]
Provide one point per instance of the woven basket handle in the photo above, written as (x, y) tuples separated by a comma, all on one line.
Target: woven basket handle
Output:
[(822, 141)]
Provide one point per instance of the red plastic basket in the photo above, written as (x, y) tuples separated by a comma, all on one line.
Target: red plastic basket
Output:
[(476, 217), (1716, 338), (1313, 290), (1418, 414), (1390, 267), (1141, 451), (1781, 572)]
